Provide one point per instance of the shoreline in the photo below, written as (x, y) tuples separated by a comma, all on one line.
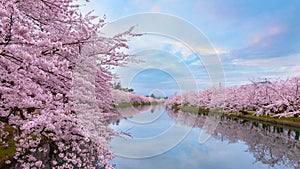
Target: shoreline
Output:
[(128, 104), (282, 121)]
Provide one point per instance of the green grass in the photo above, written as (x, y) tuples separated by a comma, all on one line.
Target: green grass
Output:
[(7, 153), (123, 105)]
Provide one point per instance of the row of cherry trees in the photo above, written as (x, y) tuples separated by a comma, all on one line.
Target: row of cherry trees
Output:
[(276, 98), (120, 96), (40, 42)]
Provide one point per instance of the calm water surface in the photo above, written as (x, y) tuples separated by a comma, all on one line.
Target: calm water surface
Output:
[(235, 144)]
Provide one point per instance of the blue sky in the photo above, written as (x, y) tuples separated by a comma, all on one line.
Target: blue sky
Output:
[(254, 40)]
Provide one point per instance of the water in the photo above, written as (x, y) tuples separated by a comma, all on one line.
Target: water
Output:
[(235, 144)]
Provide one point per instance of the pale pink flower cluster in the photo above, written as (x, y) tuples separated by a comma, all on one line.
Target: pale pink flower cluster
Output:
[(120, 96)]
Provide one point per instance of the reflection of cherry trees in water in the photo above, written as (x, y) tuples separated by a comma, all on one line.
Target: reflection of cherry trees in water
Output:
[(129, 112), (271, 145)]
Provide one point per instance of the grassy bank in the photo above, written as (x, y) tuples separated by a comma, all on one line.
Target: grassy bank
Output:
[(8, 152), (285, 121), (123, 105), (192, 109)]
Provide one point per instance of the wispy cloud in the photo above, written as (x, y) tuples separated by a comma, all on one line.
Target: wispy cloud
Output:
[(285, 61)]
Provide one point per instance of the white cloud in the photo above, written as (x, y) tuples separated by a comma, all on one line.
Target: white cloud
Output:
[(295, 68), (213, 51), (287, 61), (160, 42)]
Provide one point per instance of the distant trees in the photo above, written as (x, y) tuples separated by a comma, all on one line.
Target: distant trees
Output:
[(152, 95), (117, 85), (157, 97)]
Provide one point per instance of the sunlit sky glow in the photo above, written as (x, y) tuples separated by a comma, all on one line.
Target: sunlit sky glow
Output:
[(254, 39)]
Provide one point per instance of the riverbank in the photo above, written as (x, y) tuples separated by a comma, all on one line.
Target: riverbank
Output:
[(124, 105), (247, 115)]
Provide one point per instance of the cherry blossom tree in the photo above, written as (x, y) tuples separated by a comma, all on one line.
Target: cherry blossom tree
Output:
[(278, 97), (120, 96), (40, 43)]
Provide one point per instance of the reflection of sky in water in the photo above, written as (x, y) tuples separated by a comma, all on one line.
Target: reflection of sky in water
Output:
[(189, 154), (149, 116), (148, 129)]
